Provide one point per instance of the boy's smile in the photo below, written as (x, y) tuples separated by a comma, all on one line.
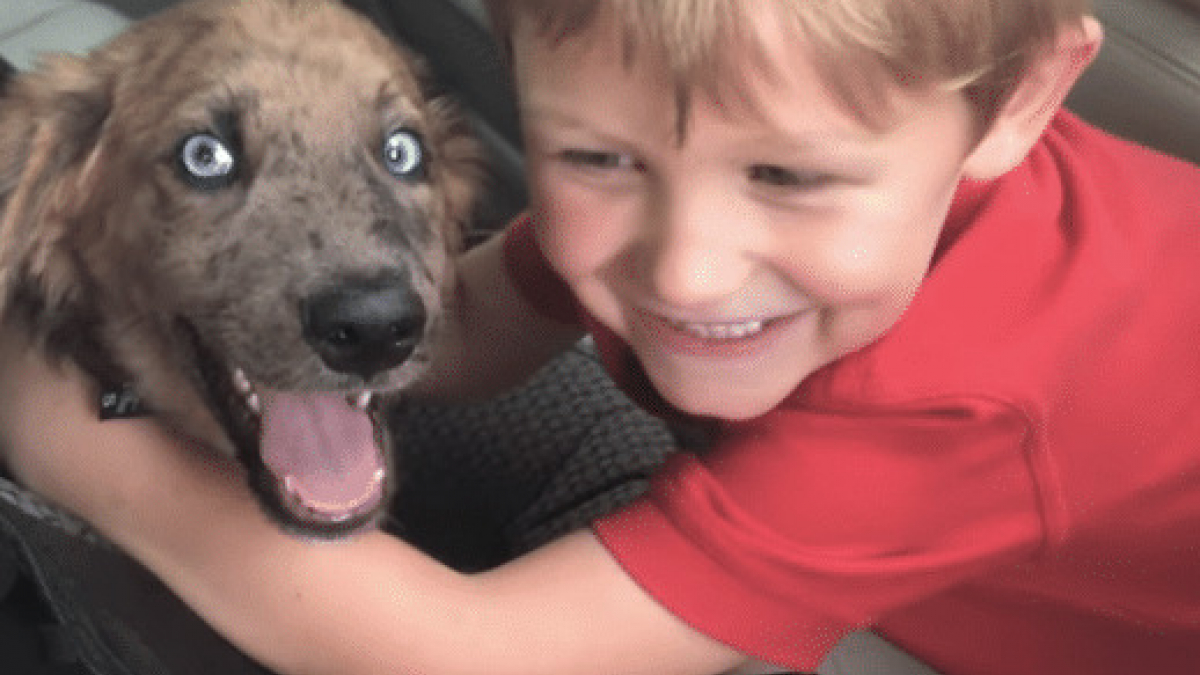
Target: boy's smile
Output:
[(779, 233)]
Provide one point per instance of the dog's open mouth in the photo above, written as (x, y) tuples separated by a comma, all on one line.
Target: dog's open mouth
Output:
[(321, 449), (318, 459)]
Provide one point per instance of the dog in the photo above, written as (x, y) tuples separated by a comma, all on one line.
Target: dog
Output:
[(241, 216)]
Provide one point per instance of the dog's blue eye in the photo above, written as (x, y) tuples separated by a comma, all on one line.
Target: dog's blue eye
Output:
[(207, 161), (404, 155)]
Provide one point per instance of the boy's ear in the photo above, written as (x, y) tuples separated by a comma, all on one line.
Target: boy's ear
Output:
[(1042, 91)]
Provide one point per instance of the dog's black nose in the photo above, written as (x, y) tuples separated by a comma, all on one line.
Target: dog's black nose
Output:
[(364, 326)]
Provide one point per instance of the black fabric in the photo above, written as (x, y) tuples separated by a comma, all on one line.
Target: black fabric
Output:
[(6, 73), (73, 603), (482, 483)]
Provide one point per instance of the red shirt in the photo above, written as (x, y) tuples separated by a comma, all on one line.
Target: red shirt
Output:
[(1007, 482)]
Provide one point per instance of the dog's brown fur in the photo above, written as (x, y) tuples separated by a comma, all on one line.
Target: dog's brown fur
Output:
[(110, 258)]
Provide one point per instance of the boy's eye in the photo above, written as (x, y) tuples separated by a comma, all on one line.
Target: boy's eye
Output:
[(597, 159), (780, 177)]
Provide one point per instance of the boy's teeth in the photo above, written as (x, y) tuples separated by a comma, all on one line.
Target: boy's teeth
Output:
[(722, 331)]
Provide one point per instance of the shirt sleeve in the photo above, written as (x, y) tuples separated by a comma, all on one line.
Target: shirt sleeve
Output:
[(801, 526), (531, 273)]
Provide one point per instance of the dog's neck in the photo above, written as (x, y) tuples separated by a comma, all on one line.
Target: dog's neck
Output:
[(171, 395)]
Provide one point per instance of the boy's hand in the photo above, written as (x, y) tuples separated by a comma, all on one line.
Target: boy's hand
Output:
[(53, 441), (35, 399)]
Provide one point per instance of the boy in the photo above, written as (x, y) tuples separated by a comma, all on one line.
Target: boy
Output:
[(940, 332)]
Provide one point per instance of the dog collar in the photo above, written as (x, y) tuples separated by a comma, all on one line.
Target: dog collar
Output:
[(121, 402)]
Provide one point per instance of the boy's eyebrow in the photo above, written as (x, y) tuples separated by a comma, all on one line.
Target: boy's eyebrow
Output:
[(592, 126), (544, 113), (787, 141), (771, 134)]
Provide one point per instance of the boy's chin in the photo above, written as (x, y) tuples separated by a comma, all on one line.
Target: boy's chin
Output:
[(722, 400)]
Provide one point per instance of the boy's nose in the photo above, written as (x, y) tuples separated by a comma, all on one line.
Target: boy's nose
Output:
[(696, 252)]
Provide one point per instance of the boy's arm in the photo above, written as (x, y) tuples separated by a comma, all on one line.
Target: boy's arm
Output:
[(494, 337), (368, 605)]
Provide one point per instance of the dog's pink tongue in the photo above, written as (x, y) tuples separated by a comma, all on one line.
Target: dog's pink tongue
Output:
[(323, 450)]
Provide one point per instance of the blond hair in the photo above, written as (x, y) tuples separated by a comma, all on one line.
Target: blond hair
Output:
[(979, 47)]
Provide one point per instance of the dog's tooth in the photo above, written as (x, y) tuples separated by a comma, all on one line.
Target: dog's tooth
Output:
[(292, 491), (241, 382), (255, 403), (363, 401)]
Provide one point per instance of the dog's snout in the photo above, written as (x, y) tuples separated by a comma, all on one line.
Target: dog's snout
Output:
[(364, 327)]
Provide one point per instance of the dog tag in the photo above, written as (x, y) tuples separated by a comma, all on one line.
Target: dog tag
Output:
[(122, 402)]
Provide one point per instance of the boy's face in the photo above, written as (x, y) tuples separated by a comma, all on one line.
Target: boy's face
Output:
[(760, 248)]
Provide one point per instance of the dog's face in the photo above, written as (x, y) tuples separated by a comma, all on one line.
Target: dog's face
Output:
[(263, 185)]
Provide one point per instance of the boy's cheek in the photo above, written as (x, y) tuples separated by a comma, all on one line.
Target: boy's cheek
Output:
[(575, 235)]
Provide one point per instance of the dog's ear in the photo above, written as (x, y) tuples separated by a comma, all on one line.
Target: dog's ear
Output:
[(51, 123), (461, 163)]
